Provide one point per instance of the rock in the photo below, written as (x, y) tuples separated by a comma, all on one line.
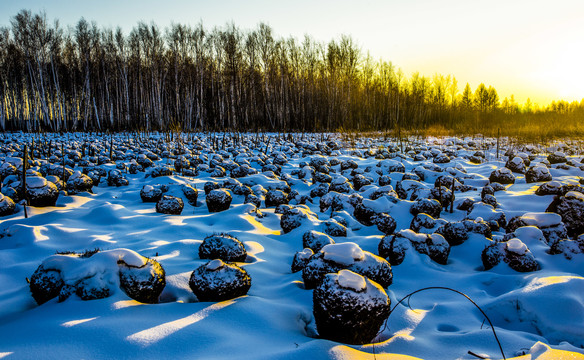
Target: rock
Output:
[(301, 259), (7, 206), (115, 178), (333, 228), (210, 185), (219, 281), (218, 200), (516, 165), (143, 283), (502, 176), (549, 223), (394, 247), (150, 193), (170, 205), (191, 193), (549, 188), (222, 246), (40, 192), (79, 182), (538, 173), (349, 308), (571, 208), (315, 240), (568, 248), (275, 198), (385, 223), (95, 275), (513, 252), (431, 207), (557, 158), (334, 257), (294, 218)]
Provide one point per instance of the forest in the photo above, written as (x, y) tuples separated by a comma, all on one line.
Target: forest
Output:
[(188, 78)]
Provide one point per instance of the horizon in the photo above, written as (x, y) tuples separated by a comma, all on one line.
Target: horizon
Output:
[(540, 61)]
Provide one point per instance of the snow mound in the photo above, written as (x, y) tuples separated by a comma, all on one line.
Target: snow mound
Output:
[(350, 280), (344, 254)]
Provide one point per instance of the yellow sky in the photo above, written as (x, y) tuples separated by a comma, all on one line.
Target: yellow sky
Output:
[(529, 48)]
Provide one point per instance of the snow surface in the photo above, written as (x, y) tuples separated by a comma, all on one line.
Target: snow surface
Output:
[(536, 315)]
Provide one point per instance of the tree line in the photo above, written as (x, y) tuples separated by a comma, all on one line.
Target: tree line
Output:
[(87, 78)]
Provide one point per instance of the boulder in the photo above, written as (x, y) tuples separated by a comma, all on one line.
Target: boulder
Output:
[(219, 281)]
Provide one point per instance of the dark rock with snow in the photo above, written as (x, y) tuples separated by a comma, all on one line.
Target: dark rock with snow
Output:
[(191, 193), (115, 178), (365, 214), (443, 195), (431, 207), (394, 247), (557, 158), (319, 190), (349, 308), (441, 159), (549, 223), (502, 176), (253, 199), (275, 198), (143, 283), (568, 248), (349, 164), (218, 200), (7, 206), (66, 274), (222, 246), (466, 204), (293, 218), (334, 257), (513, 252), (359, 181), (516, 165), (315, 240), (384, 180), (341, 185), (549, 188), (282, 208), (334, 228), (210, 185), (163, 170), (571, 208), (490, 200), (150, 193), (301, 259), (41, 192), (219, 281), (322, 178), (385, 223), (79, 182), (538, 173), (457, 232), (170, 205)]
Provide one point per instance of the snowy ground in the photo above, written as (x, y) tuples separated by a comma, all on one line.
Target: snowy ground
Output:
[(537, 315)]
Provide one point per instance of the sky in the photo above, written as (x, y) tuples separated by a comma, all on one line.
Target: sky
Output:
[(530, 48)]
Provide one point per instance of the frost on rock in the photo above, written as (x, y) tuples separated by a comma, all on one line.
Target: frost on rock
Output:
[(219, 281), (295, 217), (349, 308), (79, 182), (95, 275), (222, 246), (336, 257)]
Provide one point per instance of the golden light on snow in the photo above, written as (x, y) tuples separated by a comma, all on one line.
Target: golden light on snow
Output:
[(153, 335), (259, 228), (77, 322), (541, 282)]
